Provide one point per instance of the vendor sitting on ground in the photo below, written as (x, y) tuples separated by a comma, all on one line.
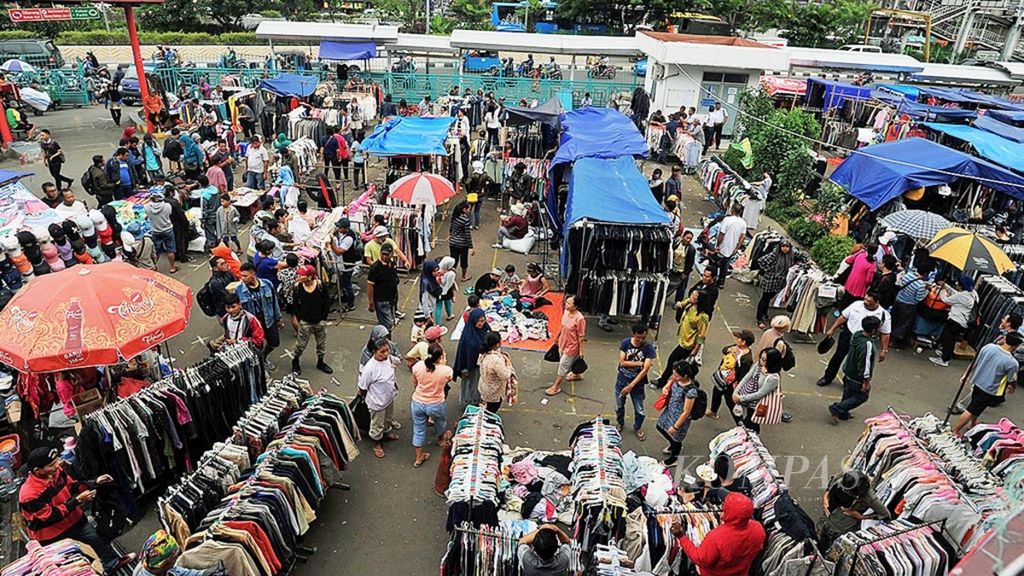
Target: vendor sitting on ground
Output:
[(51, 502), (510, 281), (545, 552), (846, 503), (513, 227), (488, 282), (16, 121)]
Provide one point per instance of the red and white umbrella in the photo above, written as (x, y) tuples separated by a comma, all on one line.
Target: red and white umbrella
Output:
[(422, 188)]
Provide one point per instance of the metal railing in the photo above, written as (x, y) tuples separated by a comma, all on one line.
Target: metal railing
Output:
[(66, 86)]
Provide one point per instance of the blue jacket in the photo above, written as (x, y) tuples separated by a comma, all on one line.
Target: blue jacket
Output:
[(260, 303), (193, 155), (113, 170)]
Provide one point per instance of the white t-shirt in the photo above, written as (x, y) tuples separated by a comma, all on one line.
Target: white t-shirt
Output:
[(716, 117), (856, 313), (734, 229), (65, 211), (299, 228), (492, 119), (256, 157)]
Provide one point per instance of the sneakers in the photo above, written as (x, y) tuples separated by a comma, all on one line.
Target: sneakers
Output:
[(323, 367), (296, 369), (347, 309), (939, 362), (823, 382), (496, 245)]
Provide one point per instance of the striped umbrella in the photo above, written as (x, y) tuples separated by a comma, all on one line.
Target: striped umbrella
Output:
[(422, 188), (918, 224), (969, 251), (15, 65)]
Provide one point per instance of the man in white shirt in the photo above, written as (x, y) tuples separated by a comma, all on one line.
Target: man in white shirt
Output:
[(257, 164), (69, 206), (731, 234), (717, 119), (850, 323)]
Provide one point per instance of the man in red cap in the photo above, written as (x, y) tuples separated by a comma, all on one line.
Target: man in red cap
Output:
[(51, 502), (310, 305)]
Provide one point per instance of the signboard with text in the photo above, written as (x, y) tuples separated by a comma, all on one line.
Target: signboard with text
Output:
[(53, 14)]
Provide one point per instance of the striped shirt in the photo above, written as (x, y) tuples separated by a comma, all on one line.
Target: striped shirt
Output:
[(914, 290)]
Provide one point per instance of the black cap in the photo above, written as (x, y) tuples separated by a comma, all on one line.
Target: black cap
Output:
[(387, 248), (41, 457), (1014, 339)]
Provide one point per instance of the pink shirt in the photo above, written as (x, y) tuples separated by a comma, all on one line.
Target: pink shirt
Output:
[(862, 272), (430, 385), (574, 326)]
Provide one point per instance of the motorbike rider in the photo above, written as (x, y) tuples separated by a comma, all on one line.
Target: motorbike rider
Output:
[(552, 67), (603, 64), (527, 66)]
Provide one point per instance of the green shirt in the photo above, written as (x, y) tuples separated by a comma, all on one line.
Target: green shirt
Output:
[(13, 119), (860, 362)]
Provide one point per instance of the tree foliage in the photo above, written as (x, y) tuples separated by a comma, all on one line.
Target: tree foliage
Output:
[(780, 142), (825, 25)]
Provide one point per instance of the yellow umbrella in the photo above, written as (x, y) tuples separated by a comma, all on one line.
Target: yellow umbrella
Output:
[(969, 251)]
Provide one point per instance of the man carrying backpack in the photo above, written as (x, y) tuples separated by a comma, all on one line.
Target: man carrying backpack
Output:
[(216, 289), (95, 182), (348, 252)]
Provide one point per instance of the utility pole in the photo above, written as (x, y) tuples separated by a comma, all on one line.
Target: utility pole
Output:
[(427, 22), (1013, 38)]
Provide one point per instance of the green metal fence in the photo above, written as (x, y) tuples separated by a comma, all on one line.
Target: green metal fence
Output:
[(66, 86)]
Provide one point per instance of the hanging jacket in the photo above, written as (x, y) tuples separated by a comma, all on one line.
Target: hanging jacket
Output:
[(729, 549)]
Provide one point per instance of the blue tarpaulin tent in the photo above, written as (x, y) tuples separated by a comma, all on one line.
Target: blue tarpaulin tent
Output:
[(1007, 116), (947, 94), (406, 136), (1008, 131), (910, 92), (988, 145), (922, 111), (826, 94), (598, 133), (610, 190), (8, 175), (290, 85), (337, 50), (879, 173)]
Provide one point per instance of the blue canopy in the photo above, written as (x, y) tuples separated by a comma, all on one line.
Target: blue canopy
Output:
[(598, 133), (833, 94), (988, 145), (610, 190), (949, 95), (409, 136), (336, 50), (9, 175), (1007, 116), (879, 173), (922, 111), (990, 101), (1008, 131), (290, 85), (910, 92)]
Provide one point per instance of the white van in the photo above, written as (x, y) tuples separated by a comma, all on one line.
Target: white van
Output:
[(862, 48)]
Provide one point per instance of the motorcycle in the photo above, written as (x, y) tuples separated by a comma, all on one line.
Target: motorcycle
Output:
[(599, 71), (552, 74)]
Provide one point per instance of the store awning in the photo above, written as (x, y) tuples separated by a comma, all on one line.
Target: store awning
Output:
[(1008, 131), (826, 94), (290, 85), (879, 173), (777, 86), (404, 136), (546, 113), (988, 145), (337, 50), (598, 133)]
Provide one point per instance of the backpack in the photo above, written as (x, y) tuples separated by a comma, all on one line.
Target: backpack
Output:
[(355, 253), (789, 358), (87, 183), (207, 302), (700, 404)]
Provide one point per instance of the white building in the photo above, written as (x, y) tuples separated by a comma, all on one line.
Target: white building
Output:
[(689, 70)]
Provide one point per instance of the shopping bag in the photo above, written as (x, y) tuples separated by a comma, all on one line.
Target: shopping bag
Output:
[(661, 402), (579, 366), (360, 412), (552, 354), (769, 409)]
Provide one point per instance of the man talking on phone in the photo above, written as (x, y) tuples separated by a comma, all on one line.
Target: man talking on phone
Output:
[(51, 502)]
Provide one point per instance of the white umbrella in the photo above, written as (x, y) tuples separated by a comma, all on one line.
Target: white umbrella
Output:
[(15, 65)]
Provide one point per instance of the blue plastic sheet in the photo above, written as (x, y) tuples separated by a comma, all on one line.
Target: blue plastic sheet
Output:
[(1007, 116), (988, 145), (922, 111), (598, 133), (290, 85), (833, 94), (879, 173), (910, 92), (336, 50), (9, 175), (989, 124), (409, 136)]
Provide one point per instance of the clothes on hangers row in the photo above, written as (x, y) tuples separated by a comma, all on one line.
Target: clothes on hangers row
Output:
[(917, 484), (256, 527), (535, 168), (901, 548), (688, 150), (619, 294), (753, 461), (313, 128), (807, 295), (600, 247), (477, 448), (60, 558), (161, 430), (1000, 447), (663, 551), (526, 143), (598, 486), (490, 550), (304, 149), (997, 297), (724, 187), (965, 468)]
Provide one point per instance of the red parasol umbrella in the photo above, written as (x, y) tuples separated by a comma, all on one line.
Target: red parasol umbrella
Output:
[(91, 315), (422, 188)]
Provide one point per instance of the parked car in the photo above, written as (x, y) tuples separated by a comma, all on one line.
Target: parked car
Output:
[(130, 84), (862, 48), (39, 53), (478, 61)]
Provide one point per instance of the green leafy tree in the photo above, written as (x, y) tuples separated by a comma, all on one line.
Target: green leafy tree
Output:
[(474, 14), (747, 15), (825, 25)]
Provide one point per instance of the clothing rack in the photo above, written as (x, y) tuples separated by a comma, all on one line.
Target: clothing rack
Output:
[(927, 526), (472, 494)]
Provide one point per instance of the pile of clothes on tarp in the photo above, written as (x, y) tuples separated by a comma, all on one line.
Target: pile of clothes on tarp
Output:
[(514, 320), (536, 486)]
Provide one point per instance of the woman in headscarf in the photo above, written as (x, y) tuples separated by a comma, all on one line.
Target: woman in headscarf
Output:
[(377, 333), (281, 142), (467, 357), (430, 288), (774, 267), (446, 268)]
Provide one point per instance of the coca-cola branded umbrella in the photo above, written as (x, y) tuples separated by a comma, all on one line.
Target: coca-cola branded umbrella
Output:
[(91, 315)]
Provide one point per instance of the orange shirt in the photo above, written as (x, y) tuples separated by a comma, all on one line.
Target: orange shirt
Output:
[(574, 327)]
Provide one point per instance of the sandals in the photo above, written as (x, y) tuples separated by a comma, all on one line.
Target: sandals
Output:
[(419, 461), (640, 435), (710, 414), (378, 450), (390, 437), (549, 392), (173, 270)]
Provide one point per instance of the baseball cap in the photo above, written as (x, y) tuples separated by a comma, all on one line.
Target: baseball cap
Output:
[(343, 222), (745, 335), (1014, 339), (41, 456), (497, 271), (306, 270), (419, 316), (435, 332), (380, 232), (387, 249)]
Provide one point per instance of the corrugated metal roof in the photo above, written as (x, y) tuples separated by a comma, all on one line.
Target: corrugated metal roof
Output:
[(963, 75), (545, 43), (287, 30), (845, 60)]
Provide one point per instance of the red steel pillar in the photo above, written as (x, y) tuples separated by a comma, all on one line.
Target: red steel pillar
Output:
[(140, 70)]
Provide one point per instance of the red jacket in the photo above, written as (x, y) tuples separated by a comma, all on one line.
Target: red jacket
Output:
[(49, 506), (729, 550), (252, 331)]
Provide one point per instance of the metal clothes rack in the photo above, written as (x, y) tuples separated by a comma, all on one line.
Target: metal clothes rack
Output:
[(929, 525)]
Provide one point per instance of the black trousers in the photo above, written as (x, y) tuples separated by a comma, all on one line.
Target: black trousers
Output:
[(248, 127), (340, 167), (746, 421), (674, 446), (836, 362), (493, 406), (55, 168), (461, 256), (678, 354), (762, 305), (903, 316), (86, 533), (718, 135), (950, 336), (115, 115), (720, 394)]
